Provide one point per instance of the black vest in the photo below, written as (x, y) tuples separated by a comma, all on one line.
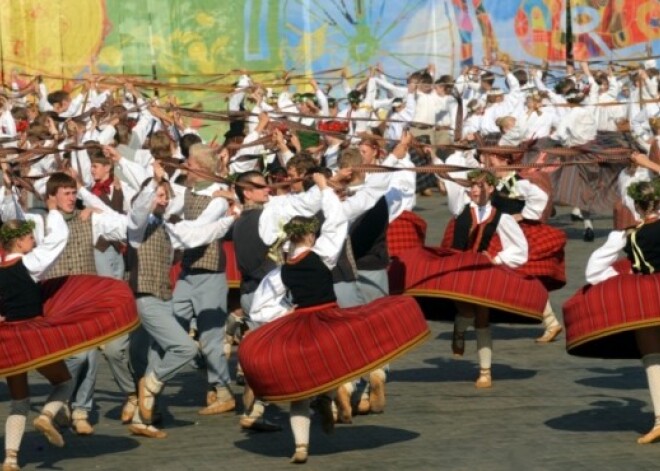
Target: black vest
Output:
[(20, 296), (309, 281), (466, 236), (504, 203), (369, 238), (251, 252), (648, 240)]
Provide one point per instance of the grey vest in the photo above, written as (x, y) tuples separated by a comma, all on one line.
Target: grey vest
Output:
[(208, 257), (78, 255), (150, 264)]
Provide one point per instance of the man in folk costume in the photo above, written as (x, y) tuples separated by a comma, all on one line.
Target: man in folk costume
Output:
[(152, 242), (257, 230), (477, 221), (201, 291), (85, 229)]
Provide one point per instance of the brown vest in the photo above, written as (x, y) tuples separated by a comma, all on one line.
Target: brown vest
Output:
[(208, 257), (117, 204), (78, 255), (150, 263)]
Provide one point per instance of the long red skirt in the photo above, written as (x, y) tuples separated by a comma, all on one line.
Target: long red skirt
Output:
[(80, 312), (601, 319), (545, 259), (406, 232), (317, 349), (472, 278)]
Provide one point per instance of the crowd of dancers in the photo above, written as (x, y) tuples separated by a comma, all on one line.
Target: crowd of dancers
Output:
[(124, 235)]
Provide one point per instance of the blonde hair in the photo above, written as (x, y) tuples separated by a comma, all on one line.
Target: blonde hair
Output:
[(204, 156)]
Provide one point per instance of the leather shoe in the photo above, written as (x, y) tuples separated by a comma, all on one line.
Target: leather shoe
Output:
[(218, 407), (345, 412), (258, 424), (589, 235), (484, 380), (44, 423), (650, 437), (300, 456), (143, 396), (146, 431), (550, 334)]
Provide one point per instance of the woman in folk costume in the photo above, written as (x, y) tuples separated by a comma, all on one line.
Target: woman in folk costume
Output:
[(40, 326), (475, 272), (618, 314), (318, 346), (522, 197)]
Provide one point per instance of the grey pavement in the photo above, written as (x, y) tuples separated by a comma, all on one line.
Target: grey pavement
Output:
[(546, 410)]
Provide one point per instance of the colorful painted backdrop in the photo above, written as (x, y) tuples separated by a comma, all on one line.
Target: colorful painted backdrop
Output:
[(173, 38)]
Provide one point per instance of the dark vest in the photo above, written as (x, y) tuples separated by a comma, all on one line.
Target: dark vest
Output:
[(208, 257), (78, 255), (251, 252), (648, 240), (149, 264), (469, 236), (309, 281), (369, 238), (505, 203), (117, 204), (20, 296)]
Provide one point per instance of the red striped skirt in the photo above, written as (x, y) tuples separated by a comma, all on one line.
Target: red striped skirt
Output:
[(317, 349), (545, 259), (471, 277), (80, 312), (601, 319), (406, 232)]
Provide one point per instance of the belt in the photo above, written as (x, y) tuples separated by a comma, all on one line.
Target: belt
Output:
[(430, 126)]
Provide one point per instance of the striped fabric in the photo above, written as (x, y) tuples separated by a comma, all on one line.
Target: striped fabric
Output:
[(471, 277), (601, 319), (317, 349), (546, 252), (80, 312), (231, 270), (623, 218), (408, 231)]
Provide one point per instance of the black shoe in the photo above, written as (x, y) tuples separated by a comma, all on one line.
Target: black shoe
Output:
[(576, 217), (240, 380), (589, 235)]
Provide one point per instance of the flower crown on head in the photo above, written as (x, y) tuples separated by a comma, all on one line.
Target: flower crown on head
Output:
[(8, 234)]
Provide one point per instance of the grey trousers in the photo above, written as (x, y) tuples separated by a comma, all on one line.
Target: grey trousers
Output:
[(83, 368), (348, 294), (373, 284), (203, 296), (171, 346), (111, 264)]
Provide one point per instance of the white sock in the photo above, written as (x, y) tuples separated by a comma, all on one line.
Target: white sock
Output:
[(588, 224), (15, 426), (58, 396), (652, 365), (484, 348), (549, 318), (154, 387), (462, 323), (576, 212), (300, 421)]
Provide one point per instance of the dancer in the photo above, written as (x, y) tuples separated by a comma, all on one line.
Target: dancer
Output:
[(42, 325), (286, 360), (600, 322)]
